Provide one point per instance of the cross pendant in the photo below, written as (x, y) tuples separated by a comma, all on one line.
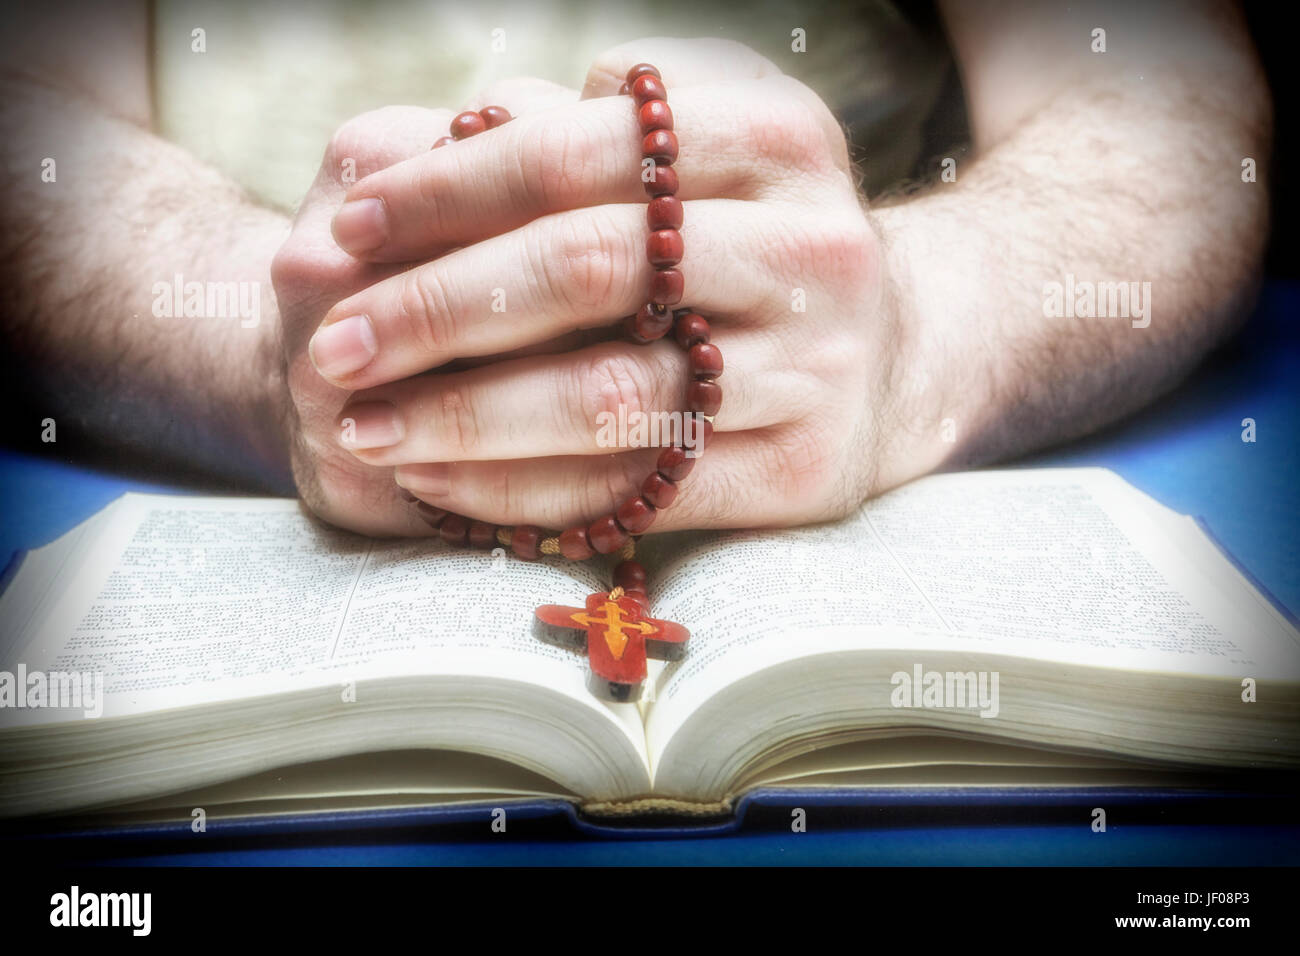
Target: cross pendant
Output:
[(619, 636)]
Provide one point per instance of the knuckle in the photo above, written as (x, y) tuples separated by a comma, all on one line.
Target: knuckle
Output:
[(585, 265), (425, 312), (428, 186), (291, 267), (500, 496), (352, 137), (376, 139), (557, 164), (840, 250), (608, 68), (607, 382), (787, 131), (458, 420)]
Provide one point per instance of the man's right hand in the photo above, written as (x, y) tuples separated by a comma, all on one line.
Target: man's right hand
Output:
[(311, 273)]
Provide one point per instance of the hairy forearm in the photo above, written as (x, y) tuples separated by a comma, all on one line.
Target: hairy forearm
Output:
[(1108, 181), (95, 340)]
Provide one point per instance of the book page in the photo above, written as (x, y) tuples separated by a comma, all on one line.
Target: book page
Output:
[(1052, 564), (181, 601)]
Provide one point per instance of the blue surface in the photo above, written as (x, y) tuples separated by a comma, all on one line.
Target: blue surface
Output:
[(1186, 451), (929, 846)]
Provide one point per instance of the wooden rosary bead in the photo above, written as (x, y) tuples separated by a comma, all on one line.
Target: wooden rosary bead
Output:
[(482, 535), (675, 463), (642, 599), (454, 530), (467, 124), (606, 535), (575, 545), (429, 513), (704, 398), (635, 515), (655, 115), (666, 288), (691, 329), (640, 70), (442, 141), (495, 116), (661, 146), (630, 576), (647, 87), (664, 248), (706, 360), (524, 541), (651, 323), (658, 490), (624, 90), (664, 182), (664, 212)]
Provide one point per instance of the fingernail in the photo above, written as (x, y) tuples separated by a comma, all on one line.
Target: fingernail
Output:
[(361, 226), (431, 478), (370, 425), (343, 347)]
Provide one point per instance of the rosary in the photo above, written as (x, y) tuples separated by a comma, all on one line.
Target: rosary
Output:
[(619, 633)]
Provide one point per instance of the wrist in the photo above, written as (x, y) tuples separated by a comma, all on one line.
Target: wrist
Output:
[(916, 409), (270, 415)]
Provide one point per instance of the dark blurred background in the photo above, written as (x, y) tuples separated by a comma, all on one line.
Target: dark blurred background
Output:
[(1270, 26)]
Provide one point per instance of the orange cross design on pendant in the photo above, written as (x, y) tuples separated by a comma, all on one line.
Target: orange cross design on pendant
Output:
[(619, 637)]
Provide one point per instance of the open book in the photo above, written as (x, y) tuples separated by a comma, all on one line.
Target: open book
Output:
[(1020, 627)]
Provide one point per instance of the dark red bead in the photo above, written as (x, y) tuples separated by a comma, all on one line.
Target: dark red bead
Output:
[(630, 576), (652, 322), (647, 87), (664, 182), (635, 515), (666, 288), (704, 397), (706, 360), (675, 463), (575, 545), (454, 530), (654, 115), (495, 116), (661, 146), (664, 248), (624, 90), (658, 490), (430, 514), (606, 536), (467, 124), (640, 597), (664, 212), (691, 329), (482, 535), (524, 541), (442, 141), (640, 70)]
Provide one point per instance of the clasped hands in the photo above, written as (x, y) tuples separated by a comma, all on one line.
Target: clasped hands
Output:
[(452, 318)]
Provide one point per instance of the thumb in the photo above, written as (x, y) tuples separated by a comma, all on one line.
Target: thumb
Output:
[(680, 62)]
